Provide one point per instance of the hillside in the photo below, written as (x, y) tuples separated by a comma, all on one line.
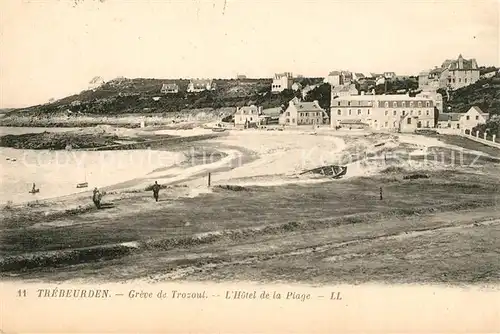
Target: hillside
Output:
[(485, 94), (132, 96)]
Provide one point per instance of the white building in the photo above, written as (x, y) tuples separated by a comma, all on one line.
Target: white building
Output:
[(247, 116), (383, 112), (303, 113), (466, 121), (434, 96), (345, 90), (281, 82), (200, 85), (169, 88)]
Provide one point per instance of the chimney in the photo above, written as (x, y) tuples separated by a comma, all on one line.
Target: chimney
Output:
[(362, 92), (260, 110)]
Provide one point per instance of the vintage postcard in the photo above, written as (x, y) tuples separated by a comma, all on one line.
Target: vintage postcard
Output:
[(237, 166)]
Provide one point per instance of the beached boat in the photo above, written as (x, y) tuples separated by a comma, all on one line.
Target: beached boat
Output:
[(333, 171), (218, 129), (84, 184), (34, 191)]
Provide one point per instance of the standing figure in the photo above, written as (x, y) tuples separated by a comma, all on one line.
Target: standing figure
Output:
[(34, 188), (96, 198), (156, 190)]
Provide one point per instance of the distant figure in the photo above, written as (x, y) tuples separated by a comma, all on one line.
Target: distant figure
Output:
[(96, 198), (156, 190), (34, 188)]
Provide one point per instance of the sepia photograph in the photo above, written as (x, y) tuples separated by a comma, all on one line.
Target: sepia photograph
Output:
[(311, 143)]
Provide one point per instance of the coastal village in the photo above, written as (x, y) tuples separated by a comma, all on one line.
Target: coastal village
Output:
[(288, 162), (354, 102)]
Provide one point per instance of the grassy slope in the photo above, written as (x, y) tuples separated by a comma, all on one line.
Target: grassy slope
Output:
[(337, 211), (485, 94)]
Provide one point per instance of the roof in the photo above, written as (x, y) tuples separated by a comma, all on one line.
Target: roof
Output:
[(360, 75), (478, 110), (248, 110), (344, 88), (307, 106), (450, 116), (460, 64), (391, 97), (334, 73), (203, 82), (169, 85)]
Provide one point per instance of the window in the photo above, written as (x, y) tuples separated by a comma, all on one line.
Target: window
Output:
[(359, 111), (403, 104), (349, 112), (459, 79), (403, 113), (250, 118), (368, 111), (387, 104), (427, 104), (339, 112), (395, 112), (409, 120), (427, 124), (386, 124), (427, 113), (395, 124), (465, 80), (467, 117), (394, 104), (288, 120), (293, 120), (349, 103), (458, 126), (420, 104), (411, 112), (387, 112), (411, 104), (419, 112), (477, 118)]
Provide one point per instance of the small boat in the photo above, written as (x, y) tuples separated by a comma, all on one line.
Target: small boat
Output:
[(82, 185), (34, 191), (333, 171), (218, 129)]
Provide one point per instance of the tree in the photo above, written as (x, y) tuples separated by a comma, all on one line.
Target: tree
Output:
[(322, 94)]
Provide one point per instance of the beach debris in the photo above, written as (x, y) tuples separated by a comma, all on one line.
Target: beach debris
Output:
[(379, 144), (333, 171), (232, 187), (415, 176)]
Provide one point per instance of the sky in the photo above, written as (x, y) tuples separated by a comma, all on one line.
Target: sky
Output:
[(53, 48)]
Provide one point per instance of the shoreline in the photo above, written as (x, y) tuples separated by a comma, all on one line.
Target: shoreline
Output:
[(246, 204)]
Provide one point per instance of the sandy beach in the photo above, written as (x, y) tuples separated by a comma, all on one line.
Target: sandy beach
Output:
[(255, 185)]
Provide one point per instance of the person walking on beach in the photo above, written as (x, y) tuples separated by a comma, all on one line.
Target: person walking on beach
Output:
[(96, 198), (156, 190)]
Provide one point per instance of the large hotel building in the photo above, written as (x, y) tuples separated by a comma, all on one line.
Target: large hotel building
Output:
[(382, 112)]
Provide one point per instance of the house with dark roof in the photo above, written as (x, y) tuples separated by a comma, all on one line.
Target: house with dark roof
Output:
[(473, 117), (453, 73), (303, 113), (345, 90), (200, 85), (246, 117), (169, 88)]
